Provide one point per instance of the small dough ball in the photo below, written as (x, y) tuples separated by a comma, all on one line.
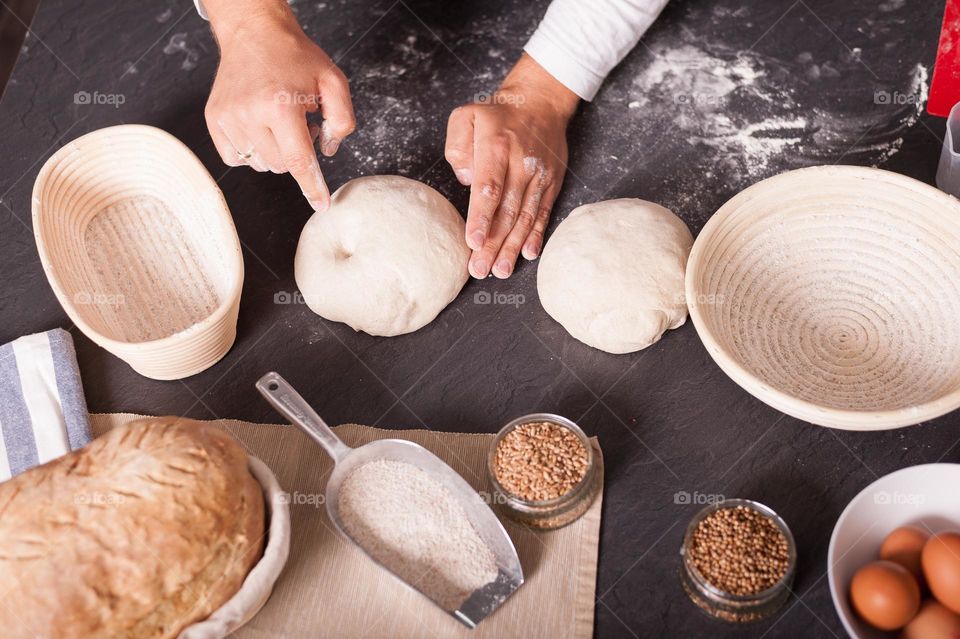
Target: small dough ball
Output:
[(385, 258), (612, 274)]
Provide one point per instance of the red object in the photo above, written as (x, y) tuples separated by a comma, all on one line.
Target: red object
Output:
[(945, 88)]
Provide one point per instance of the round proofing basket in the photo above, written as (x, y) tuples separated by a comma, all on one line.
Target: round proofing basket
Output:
[(832, 294), (258, 585), (140, 249)]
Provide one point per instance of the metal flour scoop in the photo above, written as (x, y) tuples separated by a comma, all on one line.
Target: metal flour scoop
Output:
[(483, 601)]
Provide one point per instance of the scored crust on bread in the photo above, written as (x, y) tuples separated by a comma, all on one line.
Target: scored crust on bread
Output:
[(149, 528)]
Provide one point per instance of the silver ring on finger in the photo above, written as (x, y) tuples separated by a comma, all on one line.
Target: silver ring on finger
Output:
[(244, 157)]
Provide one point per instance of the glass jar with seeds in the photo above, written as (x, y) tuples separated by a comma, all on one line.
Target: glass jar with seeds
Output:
[(543, 471), (738, 560)]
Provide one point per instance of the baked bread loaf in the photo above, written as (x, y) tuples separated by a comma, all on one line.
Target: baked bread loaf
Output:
[(146, 530)]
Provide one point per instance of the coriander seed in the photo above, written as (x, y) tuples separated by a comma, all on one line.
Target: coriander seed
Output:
[(739, 559), (739, 551)]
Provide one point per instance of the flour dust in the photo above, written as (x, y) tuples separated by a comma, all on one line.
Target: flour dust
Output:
[(713, 116)]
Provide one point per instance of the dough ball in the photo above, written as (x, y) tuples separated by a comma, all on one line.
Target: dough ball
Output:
[(385, 258), (612, 274)]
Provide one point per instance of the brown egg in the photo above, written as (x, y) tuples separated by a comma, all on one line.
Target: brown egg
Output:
[(904, 546), (934, 621), (941, 567), (885, 595)]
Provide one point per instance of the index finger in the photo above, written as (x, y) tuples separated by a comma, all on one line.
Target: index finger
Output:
[(300, 158)]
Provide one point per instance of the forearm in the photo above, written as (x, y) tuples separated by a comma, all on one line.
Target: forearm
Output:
[(579, 43), (539, 89), (232, 20)]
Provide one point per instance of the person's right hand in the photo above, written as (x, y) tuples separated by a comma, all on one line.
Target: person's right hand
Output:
[(270, 76)]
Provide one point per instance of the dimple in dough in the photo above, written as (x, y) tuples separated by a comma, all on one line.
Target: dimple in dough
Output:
[(612, 274), (385, 258)]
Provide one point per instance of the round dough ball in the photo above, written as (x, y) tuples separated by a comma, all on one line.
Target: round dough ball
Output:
[(385, 258), (612, 274)]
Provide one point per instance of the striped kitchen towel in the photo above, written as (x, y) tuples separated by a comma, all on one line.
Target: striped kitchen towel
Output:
[(43, 414)]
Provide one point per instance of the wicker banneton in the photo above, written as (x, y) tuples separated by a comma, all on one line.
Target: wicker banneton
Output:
[(140, 249), (833, 295)]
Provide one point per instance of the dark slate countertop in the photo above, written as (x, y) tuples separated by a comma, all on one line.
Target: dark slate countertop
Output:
[(766, 85)]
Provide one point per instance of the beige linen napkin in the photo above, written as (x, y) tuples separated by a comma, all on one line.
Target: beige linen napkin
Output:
[(330, 589)]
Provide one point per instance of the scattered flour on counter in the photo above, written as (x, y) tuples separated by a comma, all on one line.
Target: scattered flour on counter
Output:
[(919, 89), (391, 141), (403, 132), (698, 117), (698, 92), (408, 49), (411, 524), (695, 77), (178, 44), (396, 135), (747, 112), (755, 144)]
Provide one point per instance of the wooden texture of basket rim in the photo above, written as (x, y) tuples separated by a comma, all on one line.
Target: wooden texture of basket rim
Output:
[(843, 419), (189, 162)]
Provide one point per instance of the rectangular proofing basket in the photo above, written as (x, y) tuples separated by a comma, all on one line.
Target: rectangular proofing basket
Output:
[(139, 246)]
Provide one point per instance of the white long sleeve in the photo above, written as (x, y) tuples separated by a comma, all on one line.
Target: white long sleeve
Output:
[(580, 41)]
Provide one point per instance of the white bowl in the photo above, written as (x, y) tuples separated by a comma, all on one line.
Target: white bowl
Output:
[(832, 294), (925, 495), (140, 249)]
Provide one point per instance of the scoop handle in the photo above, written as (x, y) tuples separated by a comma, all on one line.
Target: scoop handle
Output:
[(295, 408)]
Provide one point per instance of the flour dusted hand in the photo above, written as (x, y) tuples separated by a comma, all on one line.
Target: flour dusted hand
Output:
[(511, 150), (612, 274)]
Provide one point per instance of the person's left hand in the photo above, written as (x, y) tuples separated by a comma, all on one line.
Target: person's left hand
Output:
[(511, 150)]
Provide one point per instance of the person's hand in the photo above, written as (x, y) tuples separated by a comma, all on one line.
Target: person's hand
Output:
[(270, 76), (511, 150)]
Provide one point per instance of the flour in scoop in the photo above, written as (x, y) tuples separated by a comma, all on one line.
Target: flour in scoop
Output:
[(411, 524)]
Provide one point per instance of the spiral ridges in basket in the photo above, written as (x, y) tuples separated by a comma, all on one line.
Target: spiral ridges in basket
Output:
[(833, 294), (140, 249)]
